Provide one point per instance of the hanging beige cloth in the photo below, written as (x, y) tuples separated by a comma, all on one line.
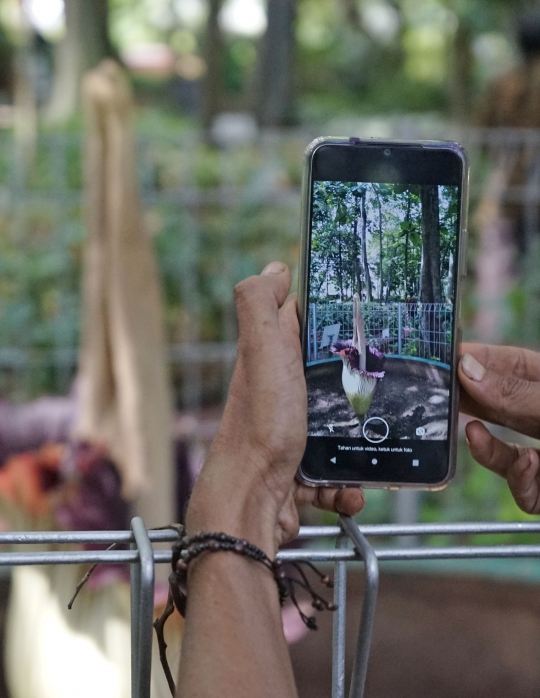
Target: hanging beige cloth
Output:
[(124, 399)]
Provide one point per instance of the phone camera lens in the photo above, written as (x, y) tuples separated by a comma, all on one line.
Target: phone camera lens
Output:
[(387, 152)]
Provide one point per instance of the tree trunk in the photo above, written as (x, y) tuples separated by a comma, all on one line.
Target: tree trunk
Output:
[(389, 279), (214, 49), (357, 264), (25, 122), (431, 275), (367, 276), (380, 251), (340, 268), (449, 291), (275, 75), (407, 220), (352, 15), (461, 75), (431, 247), (23, 71), (86, 44)]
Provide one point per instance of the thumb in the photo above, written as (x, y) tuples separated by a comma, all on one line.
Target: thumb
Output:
[(278, 276), (502, 399), (258, 298)]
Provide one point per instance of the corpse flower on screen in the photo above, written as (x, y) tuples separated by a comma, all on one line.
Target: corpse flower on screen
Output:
[(362, 365)]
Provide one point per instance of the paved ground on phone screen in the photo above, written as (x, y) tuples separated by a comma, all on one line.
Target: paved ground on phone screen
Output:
[(412, 394)]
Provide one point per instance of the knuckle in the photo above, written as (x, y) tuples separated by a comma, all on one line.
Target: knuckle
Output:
[(251, 296), (512, 389), (244, 289)]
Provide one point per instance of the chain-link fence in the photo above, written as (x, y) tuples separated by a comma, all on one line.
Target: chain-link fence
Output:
[(422, 330)]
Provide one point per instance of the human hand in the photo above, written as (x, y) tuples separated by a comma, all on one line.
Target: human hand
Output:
[(247, 486), (501, 385)]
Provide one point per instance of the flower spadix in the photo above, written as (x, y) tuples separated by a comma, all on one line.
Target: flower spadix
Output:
[(362, 364)]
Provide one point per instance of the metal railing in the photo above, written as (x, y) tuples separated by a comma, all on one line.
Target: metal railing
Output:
[(24, 370), (351, 545), (421, 330)]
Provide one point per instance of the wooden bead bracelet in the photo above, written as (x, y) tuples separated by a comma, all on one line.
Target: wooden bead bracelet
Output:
[(188, 548)]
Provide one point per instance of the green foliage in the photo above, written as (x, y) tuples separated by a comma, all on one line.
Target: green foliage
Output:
[(387, 219), (215, 217), (352, 57), (399, 57)]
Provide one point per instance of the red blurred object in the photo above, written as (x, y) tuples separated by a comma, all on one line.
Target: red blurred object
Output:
[(31, 481)]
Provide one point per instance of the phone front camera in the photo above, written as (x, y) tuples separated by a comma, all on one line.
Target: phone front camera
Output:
[(387, 152)]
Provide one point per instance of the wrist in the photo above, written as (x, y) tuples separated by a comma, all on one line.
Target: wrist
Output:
[(239, 506)]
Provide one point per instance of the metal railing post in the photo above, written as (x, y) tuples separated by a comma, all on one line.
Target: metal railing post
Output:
[(135, 584), (366, 552), (142, 609), (340, 619), (142, 557)]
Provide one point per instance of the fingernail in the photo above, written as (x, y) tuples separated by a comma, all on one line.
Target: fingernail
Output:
[(472, 368), (274, 268)]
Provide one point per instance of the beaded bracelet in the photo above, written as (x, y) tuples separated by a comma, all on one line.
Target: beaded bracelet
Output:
[(188, 548)]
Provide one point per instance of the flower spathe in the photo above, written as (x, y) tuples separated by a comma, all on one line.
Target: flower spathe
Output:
[(359, 385), (362, 365)]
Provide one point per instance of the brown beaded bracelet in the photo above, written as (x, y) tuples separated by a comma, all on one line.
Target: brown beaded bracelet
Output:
[(188, 548)]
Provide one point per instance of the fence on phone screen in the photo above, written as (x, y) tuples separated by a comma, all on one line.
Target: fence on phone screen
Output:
[(420, 330)]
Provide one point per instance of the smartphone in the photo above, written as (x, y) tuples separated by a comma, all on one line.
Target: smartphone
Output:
[(383, 251)]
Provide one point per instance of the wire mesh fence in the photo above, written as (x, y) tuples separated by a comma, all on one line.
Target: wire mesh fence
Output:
[(422, 330), (217, 215), (200, 372), (341, 545)]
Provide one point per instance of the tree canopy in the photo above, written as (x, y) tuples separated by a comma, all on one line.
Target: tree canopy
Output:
[(381, 241)]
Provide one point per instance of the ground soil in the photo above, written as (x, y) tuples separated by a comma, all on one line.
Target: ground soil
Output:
[(436, 637), (412, 394)]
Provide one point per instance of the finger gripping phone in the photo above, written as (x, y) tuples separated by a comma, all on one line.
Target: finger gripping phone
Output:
[(382, 255)]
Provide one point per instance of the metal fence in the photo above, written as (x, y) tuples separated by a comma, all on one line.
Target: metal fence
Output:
[(342, 544), (217, 216), (405, 329), (200, 372)]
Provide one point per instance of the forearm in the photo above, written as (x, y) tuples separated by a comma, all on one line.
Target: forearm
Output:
[(233, 644)]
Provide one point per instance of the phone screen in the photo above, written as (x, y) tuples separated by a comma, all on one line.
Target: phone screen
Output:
[(381, 312)]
